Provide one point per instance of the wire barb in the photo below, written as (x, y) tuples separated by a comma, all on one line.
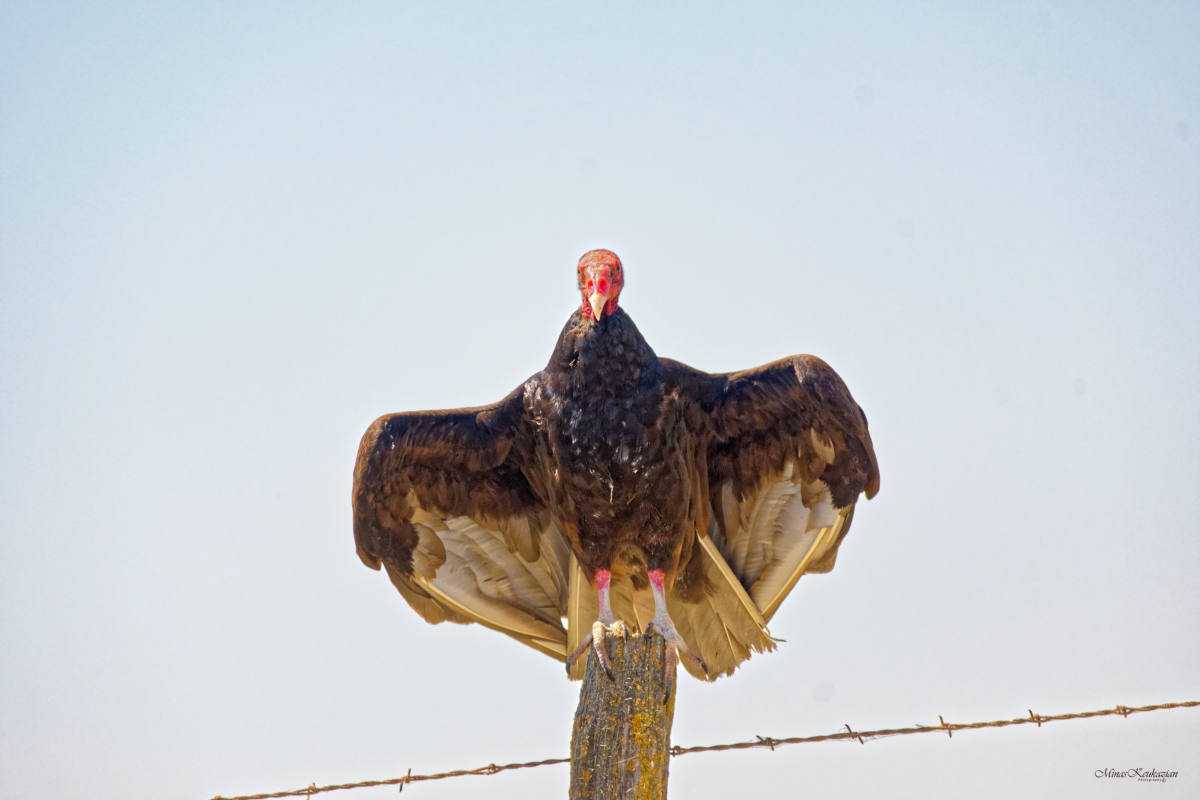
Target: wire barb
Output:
[(946, 725), (759, 741)]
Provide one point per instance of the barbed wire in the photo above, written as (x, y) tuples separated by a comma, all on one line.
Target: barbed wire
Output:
[(948, 727), (760, 741)]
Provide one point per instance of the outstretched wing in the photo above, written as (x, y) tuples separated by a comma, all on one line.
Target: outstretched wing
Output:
[(442, 502), (788, 457)]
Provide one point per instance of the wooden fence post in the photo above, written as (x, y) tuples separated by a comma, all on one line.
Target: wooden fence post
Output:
[(621, 739)]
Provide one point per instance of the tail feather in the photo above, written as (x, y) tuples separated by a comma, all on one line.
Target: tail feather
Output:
[(723, 628), (582, 609), (705, 635)]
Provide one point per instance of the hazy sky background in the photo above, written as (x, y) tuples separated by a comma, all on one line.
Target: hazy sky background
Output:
[(231, 237)]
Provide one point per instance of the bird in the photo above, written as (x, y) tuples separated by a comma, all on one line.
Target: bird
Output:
[(615, 491)]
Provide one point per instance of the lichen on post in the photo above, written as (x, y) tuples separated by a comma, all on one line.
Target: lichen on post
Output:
[(621, 739)]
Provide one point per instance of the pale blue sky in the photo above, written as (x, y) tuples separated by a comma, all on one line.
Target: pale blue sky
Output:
[(231, 237)]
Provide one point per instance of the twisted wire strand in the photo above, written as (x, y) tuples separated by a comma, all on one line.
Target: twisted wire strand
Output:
[(761, 741)]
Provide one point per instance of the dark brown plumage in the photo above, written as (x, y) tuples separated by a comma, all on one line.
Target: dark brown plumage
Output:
[(691, 501)]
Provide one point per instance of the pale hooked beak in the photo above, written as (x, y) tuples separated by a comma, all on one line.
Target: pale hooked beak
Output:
[(597, 301)]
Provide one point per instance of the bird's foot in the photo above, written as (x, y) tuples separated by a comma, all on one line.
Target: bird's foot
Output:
[(596, 640), (599, 631), (665, 628)]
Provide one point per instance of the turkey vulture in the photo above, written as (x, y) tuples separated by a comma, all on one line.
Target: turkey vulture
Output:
[(627, 472)]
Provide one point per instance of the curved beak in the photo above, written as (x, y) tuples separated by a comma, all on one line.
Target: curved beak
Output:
[(597, 300)]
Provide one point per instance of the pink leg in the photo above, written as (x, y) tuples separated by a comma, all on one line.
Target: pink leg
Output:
[(603, 579), (605, 623), (665, 626)]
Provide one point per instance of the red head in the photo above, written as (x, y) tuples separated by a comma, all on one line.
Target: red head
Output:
[(600, 280)]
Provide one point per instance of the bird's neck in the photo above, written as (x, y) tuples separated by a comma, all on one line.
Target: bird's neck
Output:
[(608, 352)]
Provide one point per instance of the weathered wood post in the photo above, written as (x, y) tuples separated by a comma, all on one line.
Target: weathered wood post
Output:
[(621, 740)]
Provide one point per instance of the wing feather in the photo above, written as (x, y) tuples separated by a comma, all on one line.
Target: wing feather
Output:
[(788, 456), (442, 502)]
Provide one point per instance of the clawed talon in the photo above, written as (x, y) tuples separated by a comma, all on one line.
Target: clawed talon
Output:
[(674, 648), (596, 640), (599, 631)]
